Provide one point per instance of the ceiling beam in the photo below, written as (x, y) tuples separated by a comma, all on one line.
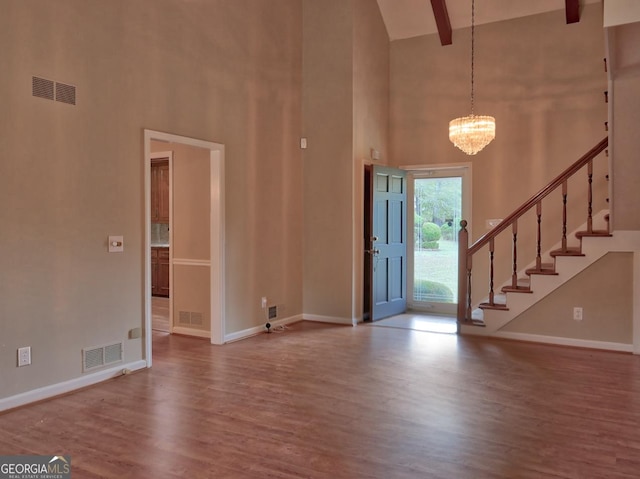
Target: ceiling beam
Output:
[(442, 21), (573, 10)]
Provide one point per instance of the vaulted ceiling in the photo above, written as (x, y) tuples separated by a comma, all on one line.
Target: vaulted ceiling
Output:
[(411, 18)]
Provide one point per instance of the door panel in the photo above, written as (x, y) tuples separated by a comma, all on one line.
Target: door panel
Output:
[(388, 243)]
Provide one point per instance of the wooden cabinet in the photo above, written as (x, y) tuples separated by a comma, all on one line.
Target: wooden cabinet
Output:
[(160, 271), (160, 191)]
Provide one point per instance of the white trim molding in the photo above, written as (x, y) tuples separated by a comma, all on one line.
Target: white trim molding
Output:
[(247, 333), (636, 302), (328, 319), (577, 343), (199, 333), (191, 262), (64, 387)]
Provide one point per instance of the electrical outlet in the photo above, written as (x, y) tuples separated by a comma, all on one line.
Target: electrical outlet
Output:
[(577, 313), (264, 302), (24, 356)]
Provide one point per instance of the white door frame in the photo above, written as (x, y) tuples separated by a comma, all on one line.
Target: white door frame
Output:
[(217, 232), (434, 171)]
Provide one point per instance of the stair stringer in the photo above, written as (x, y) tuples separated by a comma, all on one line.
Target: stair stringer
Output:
[(541, 286)]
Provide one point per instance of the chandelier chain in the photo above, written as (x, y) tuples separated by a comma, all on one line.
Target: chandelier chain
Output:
[(473, 28)]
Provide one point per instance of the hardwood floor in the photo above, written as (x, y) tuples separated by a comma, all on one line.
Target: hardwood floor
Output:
[(323, 401), (420, 321), (160, 314)]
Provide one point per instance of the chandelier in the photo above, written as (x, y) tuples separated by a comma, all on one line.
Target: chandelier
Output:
[(473, 132)]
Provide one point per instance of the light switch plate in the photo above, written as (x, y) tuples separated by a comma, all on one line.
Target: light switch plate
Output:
[(116, 244)]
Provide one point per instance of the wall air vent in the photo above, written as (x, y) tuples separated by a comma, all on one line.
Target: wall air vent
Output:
[(196, 318), (192, 318), (65, 93), (42, 88), (99, 356), (52, 90), (184, 317)]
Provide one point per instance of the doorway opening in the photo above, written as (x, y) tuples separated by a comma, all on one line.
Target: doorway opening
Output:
[(161, 214), (196, 265), (441, 197)]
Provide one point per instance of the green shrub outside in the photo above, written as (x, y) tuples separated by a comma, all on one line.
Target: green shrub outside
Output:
[(431, 232), (430, 245), (424, 290), (446, 231)]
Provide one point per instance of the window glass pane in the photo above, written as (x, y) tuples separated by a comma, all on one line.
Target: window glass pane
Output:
[(437, 207)]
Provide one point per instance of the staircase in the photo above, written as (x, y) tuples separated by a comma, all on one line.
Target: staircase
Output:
[(572, 253)]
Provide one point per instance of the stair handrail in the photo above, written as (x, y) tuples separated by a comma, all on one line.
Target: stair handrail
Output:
[(465, 252), (539, 196)]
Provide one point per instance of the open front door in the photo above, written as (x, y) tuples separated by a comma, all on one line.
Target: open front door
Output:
[(385, 274)]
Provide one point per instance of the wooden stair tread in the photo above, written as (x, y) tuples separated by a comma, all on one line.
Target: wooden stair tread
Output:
[(523, 285), (546, 268), (474, 322), (569, 251), (517, 289), (501, 307), (594, 233)]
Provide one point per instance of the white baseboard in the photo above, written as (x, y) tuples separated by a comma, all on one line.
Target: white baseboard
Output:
[(246, 333), (328, 319), (191, 332), (64, 387), (579, 343)]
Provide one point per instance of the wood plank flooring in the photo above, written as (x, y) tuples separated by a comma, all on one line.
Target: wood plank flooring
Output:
[(324, 401), (160, 314), (419, 321)]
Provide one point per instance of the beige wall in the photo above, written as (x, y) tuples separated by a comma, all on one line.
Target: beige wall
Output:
[(543, 81), (604, 291), (625, 111), (228, 72), (191, 175), (370, 82), (345, 114), (328, 171), (191, 294)]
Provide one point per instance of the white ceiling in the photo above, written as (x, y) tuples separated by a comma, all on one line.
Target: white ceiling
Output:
[(411, 18)]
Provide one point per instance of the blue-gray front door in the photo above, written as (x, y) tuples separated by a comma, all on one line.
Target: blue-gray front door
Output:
[(389, 242)]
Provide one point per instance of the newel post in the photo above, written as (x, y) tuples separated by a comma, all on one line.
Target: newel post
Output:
[(463, 246)]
